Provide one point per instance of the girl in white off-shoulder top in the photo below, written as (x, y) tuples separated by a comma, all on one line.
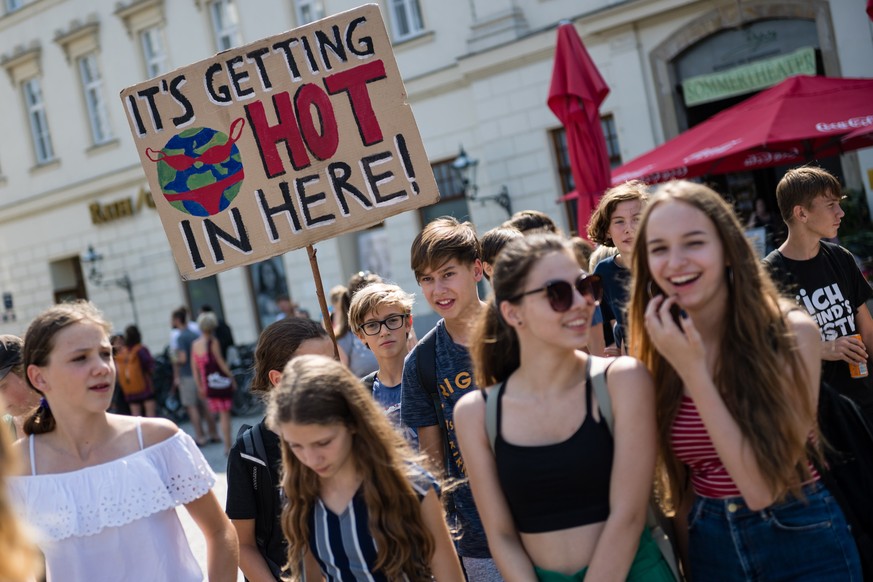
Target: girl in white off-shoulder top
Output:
[(99, 489)]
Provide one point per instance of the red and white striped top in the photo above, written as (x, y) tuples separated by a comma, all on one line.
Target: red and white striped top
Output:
[(692, 445)]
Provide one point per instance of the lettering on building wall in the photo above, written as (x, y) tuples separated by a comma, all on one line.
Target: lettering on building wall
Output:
[(103, 213), (279, 144)]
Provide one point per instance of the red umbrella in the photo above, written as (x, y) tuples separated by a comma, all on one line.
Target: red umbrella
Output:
[(575, 95), (800, 119), (870, 9), (860, 138)]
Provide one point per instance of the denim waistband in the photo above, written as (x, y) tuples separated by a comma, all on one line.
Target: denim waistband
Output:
[(737, 507)]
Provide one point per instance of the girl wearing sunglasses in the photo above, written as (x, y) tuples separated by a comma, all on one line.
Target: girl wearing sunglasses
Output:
[(559, 496), (736, 384)]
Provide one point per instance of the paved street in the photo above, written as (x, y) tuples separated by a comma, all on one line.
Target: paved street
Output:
[(214, 453)]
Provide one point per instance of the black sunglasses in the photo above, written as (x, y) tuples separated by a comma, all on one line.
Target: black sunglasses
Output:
[(560, 293)]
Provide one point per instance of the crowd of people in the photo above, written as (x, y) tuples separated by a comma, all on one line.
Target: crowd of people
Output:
[(669, 379)]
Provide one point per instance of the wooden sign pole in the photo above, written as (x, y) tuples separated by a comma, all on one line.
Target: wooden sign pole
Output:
[(322, 302)]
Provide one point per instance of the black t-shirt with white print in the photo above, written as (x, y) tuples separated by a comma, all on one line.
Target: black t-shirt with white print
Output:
[(832, 289)]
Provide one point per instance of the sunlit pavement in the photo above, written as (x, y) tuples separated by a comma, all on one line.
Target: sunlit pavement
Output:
[(214, 453)]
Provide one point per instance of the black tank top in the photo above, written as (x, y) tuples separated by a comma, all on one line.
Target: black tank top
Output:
[(557, 486)]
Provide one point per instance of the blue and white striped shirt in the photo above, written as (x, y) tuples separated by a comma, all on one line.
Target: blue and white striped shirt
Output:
[(342, 543)]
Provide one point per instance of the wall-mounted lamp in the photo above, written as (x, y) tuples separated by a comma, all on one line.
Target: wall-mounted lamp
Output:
[(93, 259), (466, 167)]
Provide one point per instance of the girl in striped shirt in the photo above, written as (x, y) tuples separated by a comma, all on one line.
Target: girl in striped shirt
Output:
[(736, 375), (358, 507)]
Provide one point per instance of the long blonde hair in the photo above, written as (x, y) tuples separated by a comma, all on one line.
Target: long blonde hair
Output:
[(320, 390), (19, 559), (774, 412)]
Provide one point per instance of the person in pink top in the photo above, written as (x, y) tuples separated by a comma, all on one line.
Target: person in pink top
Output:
[(206, 360), (736, 372)]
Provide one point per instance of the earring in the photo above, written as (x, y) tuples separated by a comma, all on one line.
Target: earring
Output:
[(730, 275)]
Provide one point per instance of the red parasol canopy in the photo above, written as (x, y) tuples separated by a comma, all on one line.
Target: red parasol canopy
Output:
[(800, 119), (860, 138), (575, 95)]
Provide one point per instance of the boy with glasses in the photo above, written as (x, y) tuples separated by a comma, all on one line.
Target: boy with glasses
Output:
[(381, 316)]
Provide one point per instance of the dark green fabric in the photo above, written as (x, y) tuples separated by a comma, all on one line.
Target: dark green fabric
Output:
[(648, 566)]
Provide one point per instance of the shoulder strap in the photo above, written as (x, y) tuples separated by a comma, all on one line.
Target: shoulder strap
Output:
[(369, 380), (425, 360), (491, 403), (596, 373), (253, 445), (597, 369)]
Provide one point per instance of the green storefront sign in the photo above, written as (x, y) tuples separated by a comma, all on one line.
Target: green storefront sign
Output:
[(748, 78)]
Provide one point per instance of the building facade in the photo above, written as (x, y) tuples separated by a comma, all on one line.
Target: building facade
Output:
[(76, 215)]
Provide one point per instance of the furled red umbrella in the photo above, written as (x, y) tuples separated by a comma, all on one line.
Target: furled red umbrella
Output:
[(575, 95), (870, 9), (800, 119)]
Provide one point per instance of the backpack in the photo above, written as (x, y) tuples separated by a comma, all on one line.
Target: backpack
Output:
[(848, 452), (254, 452), (595, 372), (132, 373)]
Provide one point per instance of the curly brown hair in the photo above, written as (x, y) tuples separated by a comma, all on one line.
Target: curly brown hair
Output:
[(598, 225)]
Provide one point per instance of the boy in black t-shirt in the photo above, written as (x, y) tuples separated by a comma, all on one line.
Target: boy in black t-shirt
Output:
[(824, 278)]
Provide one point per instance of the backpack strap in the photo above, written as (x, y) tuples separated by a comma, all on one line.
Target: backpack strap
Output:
[(492, 397), (596, 374), (369, 380), (425, 354)]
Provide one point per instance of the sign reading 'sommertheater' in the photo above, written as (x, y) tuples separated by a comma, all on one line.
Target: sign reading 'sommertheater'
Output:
[(279, 144)]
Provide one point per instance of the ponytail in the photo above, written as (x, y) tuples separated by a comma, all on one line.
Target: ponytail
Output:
[(41, 420), (494, 347)]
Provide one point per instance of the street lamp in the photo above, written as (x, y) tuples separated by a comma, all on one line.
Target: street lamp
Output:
[(93, 259), (465, 167)]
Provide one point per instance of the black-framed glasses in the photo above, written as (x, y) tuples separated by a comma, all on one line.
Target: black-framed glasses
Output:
[(560, 292), (392, 322)]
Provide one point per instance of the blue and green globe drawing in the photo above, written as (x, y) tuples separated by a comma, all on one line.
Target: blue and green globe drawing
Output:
[(200, 170)]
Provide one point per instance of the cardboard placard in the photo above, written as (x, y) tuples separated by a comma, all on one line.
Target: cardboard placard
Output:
[(279, 144)]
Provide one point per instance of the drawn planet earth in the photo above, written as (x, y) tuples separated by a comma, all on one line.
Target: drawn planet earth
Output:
[(200, 171)]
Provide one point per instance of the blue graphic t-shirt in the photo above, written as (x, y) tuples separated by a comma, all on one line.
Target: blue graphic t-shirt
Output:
[(454, 373), (388, 398)]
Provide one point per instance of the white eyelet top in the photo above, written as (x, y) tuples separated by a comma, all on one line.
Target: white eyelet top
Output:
[(117, 520)]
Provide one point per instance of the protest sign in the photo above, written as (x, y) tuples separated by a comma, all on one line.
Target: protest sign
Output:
[(279, 144)]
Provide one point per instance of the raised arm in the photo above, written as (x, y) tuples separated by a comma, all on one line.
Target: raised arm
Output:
[(633, 464), (503, 540)]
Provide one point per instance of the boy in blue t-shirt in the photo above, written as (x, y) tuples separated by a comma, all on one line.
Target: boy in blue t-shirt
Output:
[(446, 260), (381, 316)]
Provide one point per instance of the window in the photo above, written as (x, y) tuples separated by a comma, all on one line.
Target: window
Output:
[(13, 5), (42, 141), (562, 155), (452, 202), (225, 23), (405, 18), (607, 122), (92, 85), (308, 11), (153, 51)]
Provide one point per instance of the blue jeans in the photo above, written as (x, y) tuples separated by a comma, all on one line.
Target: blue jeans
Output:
[(791, 540)]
